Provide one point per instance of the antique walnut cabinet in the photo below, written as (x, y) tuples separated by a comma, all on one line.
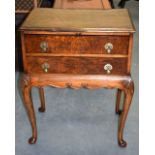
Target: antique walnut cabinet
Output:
[(77, 49)]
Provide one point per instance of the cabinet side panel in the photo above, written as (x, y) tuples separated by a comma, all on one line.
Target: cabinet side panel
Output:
[(130, 53), (23, 51)]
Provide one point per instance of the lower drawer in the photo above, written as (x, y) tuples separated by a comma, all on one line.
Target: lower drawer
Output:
[(76, 65)]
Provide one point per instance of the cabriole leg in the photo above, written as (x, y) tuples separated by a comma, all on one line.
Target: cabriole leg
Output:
[(42, 99), (26, 90), (128, 98), (118, 100)]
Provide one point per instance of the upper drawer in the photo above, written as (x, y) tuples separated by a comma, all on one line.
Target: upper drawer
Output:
[(76, 44)]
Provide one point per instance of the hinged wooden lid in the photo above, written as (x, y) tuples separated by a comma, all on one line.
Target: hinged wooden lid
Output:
[(113, 20)]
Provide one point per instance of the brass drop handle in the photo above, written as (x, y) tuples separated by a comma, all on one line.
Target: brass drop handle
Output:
[(45, 66), (44, 46), (108, 47), (108, 68)]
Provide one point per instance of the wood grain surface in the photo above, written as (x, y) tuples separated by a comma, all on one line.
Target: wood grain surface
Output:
[(79, 4), (114, 20), (76, 44), (77, 65)]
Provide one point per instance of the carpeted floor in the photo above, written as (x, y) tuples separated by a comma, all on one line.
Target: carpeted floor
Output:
[(80, 122)]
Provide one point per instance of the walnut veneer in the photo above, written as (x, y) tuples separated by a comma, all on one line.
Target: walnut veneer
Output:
[(80, 48)]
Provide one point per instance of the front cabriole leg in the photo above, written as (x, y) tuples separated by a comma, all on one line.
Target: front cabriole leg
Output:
[(129, 90), (26, 91)]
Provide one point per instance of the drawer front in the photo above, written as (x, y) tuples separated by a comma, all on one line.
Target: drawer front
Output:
[(77, 65), (76, 44)]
